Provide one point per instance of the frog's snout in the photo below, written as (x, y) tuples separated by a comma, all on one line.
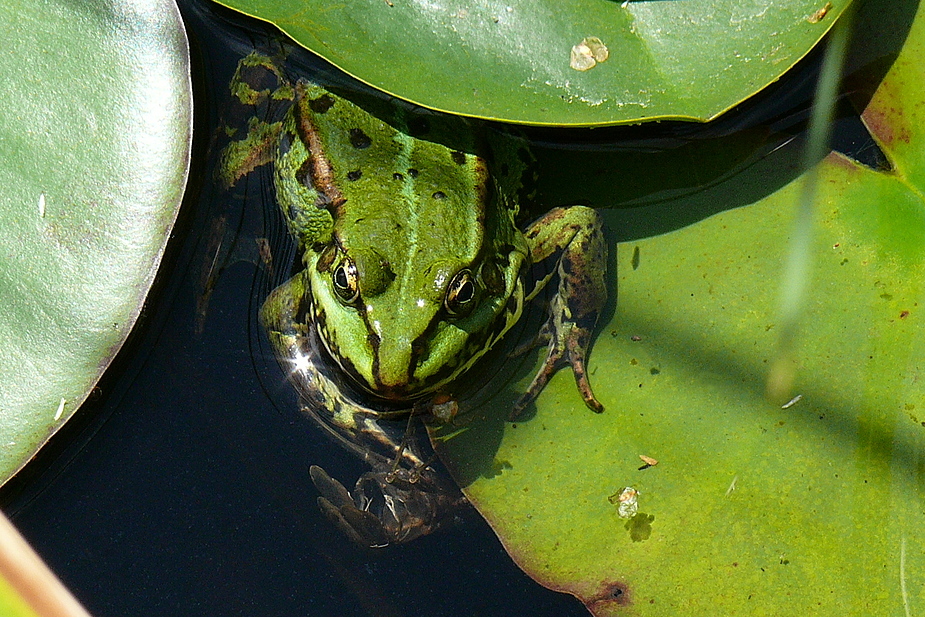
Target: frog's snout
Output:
[(395, 370)]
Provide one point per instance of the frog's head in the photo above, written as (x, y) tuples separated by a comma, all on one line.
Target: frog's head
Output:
[(403, 329)]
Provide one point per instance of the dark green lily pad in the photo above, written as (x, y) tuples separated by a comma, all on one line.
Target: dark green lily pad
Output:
[(94, 142), (756, 506), (511, 60)]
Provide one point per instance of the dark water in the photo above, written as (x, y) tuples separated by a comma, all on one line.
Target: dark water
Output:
[(182, 488)]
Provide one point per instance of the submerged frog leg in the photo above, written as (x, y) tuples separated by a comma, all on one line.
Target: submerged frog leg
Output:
[(390, 476), (575, 236), (257, 80), (338, 505), (243, 156)]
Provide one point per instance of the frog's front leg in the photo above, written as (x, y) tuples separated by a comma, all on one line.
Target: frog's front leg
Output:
[(575, 236)]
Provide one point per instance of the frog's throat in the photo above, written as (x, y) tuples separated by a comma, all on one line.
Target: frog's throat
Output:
[(416, 385)]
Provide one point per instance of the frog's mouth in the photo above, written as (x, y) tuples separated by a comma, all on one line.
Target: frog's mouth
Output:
[(408, 388), (405, 388)]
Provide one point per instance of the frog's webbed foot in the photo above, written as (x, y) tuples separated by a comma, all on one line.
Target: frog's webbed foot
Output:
[(385, 507), (575, 236)]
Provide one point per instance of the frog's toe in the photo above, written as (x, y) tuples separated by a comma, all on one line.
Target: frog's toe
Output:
[(577, 346), (337, 504), (567, 345), (330, 489), (361, 527)]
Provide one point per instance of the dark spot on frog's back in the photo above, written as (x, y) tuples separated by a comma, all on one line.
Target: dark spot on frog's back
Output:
[(321, 104), (359, 139), (458, 157), (355, 175)]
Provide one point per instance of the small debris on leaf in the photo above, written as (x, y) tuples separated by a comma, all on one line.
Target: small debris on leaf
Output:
[(648, 460), (732, 485), (588, 53), (60, 411), (627, 502), (819, 15), (792, 402)]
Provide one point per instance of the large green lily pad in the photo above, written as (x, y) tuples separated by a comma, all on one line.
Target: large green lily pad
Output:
[(756, 507), (511, 60), (95, 136)]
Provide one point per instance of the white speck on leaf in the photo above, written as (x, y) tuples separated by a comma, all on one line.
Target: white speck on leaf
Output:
[(732, 486), (587, 54), (60, 411), (42, 205), (792, 402), (627, 502)]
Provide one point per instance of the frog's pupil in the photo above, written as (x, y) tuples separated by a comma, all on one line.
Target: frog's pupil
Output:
[(460, 294), (340, 278), (465, 292)]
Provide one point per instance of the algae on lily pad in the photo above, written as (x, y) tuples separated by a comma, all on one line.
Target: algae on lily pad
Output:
[(810, 504), (559, 62), (94, 149)]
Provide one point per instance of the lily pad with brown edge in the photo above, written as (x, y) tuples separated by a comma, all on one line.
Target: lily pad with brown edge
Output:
[(519, 60), (95, 137), (810, 503)]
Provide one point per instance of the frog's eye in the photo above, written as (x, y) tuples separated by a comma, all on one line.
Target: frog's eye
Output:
[(346, 281), (460, 295)]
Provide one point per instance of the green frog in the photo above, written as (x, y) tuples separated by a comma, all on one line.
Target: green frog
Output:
[(413, 267)]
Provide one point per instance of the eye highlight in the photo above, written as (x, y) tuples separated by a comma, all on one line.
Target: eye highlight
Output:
[(346, 281), (460, 294)]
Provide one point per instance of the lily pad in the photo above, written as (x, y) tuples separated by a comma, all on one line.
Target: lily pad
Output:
[(512, 60), (756, 506), (95, 143)]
